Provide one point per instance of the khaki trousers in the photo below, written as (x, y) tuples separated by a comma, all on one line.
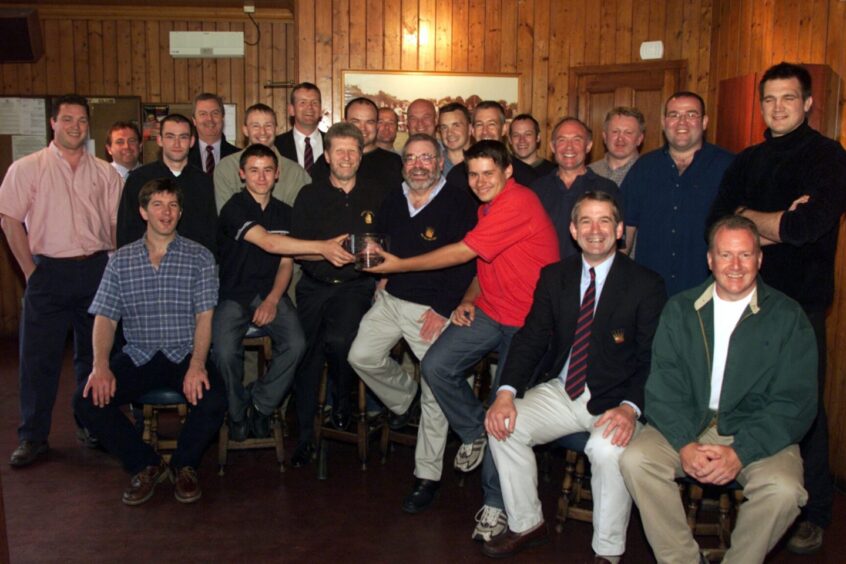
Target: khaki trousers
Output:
[(772, 487), (389, 320)]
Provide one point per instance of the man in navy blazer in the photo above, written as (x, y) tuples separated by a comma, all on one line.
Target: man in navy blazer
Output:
[(208, 122), (597, 313), (306, 109)]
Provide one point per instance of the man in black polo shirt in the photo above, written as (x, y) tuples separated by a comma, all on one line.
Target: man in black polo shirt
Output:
[(253, 279), (377, 165), (332, 300), (571, 142), (425, 215), (199, 214)]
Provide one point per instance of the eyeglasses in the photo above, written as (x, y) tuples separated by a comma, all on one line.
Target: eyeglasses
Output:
[(687, 116), (425, 158)]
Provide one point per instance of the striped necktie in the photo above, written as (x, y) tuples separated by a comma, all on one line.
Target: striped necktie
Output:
[(308, 156), (577, 371), (209, 160)]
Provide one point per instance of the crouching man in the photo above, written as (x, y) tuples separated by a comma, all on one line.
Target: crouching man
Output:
[(732, 390), (164, 288)]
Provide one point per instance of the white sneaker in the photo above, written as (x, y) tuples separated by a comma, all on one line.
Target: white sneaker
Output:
[(470, 455), (490, 522)]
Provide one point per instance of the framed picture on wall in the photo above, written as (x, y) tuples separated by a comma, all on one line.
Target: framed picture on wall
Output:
[(397, 89)]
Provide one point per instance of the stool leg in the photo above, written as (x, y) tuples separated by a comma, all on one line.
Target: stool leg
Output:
[(278, 437), (725, 521), (223, 446), (362, 424), (695, 499), (564, 497)]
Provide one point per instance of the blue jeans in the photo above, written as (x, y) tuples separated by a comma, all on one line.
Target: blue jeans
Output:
[(445, 368), (231, 321)]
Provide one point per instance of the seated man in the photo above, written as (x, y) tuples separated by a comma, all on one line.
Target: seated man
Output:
[(601, 352), (253, 229), (426, 214), (164, 289), (513, 240), (732, 391)]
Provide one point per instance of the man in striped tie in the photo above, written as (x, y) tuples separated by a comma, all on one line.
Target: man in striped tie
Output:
[(597, 312)]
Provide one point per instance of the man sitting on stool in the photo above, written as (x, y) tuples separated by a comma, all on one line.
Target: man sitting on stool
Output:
[(598, 312), (732, 390), (253, 231), (164, 289)]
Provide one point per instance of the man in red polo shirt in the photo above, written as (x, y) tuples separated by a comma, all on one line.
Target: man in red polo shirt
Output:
[(512, 241)]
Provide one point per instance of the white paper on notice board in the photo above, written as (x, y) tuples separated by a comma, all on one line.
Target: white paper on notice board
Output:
[(23, 116), (23, 145)]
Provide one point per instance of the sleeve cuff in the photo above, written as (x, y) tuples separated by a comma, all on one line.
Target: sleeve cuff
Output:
[(633, 406)]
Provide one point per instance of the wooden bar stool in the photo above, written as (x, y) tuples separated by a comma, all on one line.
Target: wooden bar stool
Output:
[(713, 514), (575, 500), (153, 404), (364, 429), (400, 437), (258, 340)]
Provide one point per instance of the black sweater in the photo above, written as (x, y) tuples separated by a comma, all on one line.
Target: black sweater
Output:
[(199, 213), (768, 177), (444, 220)]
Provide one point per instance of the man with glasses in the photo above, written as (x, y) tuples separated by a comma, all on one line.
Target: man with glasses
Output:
[(426, 214), (668, 193)]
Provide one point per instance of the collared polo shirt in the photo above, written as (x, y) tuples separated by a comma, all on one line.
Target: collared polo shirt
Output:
[(558, 202), (67, 212), (158, 306), (615, 175), (247, 271), (669, 212)]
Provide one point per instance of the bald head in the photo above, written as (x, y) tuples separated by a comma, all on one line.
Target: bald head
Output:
[(421, 117)]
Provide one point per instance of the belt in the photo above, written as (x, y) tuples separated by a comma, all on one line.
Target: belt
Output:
[(77, 258)]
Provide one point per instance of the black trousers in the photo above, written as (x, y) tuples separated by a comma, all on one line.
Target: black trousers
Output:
[(57, 298), (119, 436), (330, 315), (814, 446)]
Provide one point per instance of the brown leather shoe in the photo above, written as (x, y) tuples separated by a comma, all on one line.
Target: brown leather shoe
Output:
[(144, 483), (510, 543), (187, 488)]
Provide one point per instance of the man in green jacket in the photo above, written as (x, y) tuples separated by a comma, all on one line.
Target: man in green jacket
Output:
[(731, 392)]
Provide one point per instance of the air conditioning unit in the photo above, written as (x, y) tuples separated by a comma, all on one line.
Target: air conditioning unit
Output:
[(206, 44)]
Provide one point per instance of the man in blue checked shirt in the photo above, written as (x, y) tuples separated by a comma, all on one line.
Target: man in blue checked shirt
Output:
[(164, 289)]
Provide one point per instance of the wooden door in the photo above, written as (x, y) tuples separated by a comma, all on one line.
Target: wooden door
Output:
[(596, 89)]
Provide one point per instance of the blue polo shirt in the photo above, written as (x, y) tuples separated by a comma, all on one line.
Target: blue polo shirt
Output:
[(669, 212), (558, 202)]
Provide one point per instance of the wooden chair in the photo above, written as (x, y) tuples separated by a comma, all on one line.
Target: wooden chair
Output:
[(364, 429), (258, 340)]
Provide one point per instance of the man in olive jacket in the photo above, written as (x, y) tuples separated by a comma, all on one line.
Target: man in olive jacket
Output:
[(731, 392)]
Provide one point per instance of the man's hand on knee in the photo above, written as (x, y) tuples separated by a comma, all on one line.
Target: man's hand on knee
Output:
[(101, 385), (501, 416), (621, 421)]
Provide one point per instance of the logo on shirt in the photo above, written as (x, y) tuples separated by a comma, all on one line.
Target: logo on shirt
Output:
[(429, 234), (368, 217), (619, 336)]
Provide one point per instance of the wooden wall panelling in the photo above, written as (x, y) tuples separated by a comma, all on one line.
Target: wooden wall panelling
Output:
[(443, 35), (525, 42), (265, 69), (154, 63), (493, 35), (358, 34), (409, 35), (561, 38), (392, 46), (426, 32), (375, 37), (540, 64), (476, 36), (323, 52), (607, 26), (80, 55), (592, 28), (460, 29)]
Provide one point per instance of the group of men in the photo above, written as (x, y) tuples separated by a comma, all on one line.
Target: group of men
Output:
[(563, 269)]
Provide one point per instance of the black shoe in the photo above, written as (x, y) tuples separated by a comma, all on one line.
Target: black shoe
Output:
[(28, 452), (397, 422), (87, 439), (303, 455), (237, 430), (424, 493), (259, 424), (341, 419)]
